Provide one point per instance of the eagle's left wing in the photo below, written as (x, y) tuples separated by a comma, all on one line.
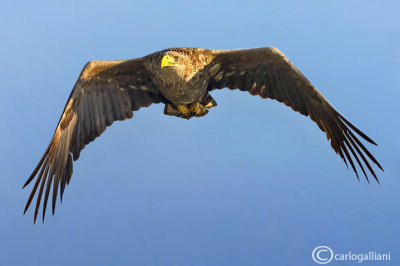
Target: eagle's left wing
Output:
[(268, 73)]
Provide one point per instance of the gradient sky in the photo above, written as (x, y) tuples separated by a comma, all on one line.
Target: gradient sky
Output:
[(251, 183)]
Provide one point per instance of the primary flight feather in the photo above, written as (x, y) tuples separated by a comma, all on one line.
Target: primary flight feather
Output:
[(182, 79)]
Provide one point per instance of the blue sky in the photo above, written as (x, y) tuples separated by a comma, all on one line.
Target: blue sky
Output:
[(251, 183)]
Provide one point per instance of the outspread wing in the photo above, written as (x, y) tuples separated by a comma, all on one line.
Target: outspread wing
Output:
[(268, 73), (106, 91)]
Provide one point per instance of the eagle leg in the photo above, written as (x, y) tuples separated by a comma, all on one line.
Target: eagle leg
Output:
[(171, 109), (208, 101), (183, 109), (198, 109), (193, 109)]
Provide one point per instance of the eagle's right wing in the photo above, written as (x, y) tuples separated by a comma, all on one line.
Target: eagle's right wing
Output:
[(106, 91)]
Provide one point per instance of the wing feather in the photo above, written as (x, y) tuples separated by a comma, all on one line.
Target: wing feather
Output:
[(268, 73), (102, 95)]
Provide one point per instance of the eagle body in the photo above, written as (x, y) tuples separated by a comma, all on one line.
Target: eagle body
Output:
[(187, 83), (183, 80)]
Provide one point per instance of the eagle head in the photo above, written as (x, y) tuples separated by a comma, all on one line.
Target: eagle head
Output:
[(175, 60), (175, 64)]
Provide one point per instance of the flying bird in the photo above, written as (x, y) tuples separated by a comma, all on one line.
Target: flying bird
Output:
[(182, 79)]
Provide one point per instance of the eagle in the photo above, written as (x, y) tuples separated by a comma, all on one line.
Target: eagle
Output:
[(182, 79)]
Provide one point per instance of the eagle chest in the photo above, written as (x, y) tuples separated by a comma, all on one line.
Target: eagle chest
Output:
[(184, 90)]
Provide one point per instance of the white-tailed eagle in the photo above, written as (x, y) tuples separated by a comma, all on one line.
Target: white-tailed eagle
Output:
[(182, 79)]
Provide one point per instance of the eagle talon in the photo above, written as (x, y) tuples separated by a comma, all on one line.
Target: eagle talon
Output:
[(194, 107), (183, 109), (201, 110)]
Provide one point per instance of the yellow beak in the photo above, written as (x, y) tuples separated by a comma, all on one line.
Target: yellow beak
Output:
[(167, 61)]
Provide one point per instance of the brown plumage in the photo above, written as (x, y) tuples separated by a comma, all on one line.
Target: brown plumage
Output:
[(182, 78)]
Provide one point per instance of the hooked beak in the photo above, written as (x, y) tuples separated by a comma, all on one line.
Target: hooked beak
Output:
[(167, 61)]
